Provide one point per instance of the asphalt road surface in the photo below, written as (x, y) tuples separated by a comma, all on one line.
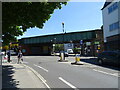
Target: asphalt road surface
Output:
[(64, 75)]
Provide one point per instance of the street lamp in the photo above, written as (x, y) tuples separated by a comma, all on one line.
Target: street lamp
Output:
[(1, 50), (63, 26), (63, 41), (54, 45)]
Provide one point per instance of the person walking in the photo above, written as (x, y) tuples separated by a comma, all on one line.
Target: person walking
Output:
[(8, 54), (20, 56)]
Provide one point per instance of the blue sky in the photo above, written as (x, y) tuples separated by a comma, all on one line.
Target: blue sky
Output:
[(77, 16)]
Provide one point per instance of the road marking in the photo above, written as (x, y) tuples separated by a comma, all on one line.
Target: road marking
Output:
[(67, 83), (25, 62), (113, 74), (39, 76), (27, 57), (41, 68)]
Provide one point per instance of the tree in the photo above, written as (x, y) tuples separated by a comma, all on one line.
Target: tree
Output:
[(19, 16), (59, 47)]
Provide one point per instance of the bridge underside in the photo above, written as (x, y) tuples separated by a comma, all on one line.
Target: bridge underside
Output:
[(43, 45), (37, 49)]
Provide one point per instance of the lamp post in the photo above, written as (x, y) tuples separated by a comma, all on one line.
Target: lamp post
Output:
[(51, 47), (1, 50), (62, 54), (63, 40), (54, 45)]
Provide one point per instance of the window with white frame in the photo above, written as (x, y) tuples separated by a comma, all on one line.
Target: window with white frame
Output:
[(113, 7)]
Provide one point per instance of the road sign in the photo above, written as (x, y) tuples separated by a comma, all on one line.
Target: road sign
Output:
[(81, 41)]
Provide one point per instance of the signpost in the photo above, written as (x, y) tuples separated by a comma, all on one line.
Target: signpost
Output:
[(81, 46), (81, 42)]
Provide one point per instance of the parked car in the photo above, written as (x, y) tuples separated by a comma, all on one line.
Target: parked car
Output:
[(2, 53), (109, 57), (70, 51), (66, 53)]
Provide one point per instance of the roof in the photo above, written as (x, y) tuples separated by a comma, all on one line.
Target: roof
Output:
[(107, 3), (61, 34)]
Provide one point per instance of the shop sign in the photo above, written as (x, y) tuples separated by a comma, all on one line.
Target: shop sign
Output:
[(97, 42), (88, 43)]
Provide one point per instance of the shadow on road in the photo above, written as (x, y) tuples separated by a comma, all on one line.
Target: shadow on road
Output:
[(94, 61), (7, 78)]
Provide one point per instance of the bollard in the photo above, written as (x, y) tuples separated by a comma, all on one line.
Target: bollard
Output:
[(61, 56), (77, 58)]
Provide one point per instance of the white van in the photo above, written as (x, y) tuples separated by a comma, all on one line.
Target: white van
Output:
[(70, 51)]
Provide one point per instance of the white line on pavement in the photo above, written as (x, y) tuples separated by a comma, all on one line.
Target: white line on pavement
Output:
[(27, 57), (39, 76), (25, 62), (113, 74), (41, 68), (67, 83)]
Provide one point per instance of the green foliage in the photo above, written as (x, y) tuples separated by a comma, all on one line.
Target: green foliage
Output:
[(19, 16), (76, 50), (59, 47)]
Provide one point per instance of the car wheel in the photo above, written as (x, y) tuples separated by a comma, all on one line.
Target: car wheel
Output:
[(100, 62)]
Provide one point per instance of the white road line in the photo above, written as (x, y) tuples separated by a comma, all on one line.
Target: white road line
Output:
[(41, 68), (39, 76), (25, 62), (113, 74), (67, 83)]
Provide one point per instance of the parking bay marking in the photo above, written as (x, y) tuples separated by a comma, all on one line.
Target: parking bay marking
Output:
[(41, 67), (67, 83), (113, 74)]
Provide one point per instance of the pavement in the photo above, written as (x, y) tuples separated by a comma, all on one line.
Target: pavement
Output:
[(20, 76)]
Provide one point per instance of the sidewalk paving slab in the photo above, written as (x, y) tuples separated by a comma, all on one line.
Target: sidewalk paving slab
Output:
[(19, 76)]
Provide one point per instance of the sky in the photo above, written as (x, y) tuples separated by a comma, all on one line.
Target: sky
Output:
[(77, 16)]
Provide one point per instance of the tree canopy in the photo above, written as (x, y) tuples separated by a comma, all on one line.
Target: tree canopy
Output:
[(19, 16)]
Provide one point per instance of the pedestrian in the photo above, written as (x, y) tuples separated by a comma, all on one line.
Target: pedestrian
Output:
[(5, 55), (8, 54), (20, 56)]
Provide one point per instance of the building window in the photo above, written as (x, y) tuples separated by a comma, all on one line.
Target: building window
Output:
[(114, 26), (113, 7)]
